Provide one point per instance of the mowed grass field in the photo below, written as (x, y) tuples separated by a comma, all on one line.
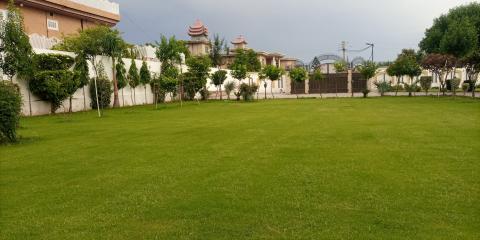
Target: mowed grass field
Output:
[(378, 168)]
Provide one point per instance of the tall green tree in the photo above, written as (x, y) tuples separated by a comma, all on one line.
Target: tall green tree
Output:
[(248, 58), (145, 77), (171, 53), (90, 44), (368, 70), (133, 79), (113, 46), (17, 53), (273, 73), (239, 72), (216, 51), (197, 75), (218, 78), (121, 74)]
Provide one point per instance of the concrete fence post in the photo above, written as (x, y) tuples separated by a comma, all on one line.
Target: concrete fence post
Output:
[(349, 80)]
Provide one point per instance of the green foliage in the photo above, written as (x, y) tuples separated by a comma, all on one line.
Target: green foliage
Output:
[(10, 107), (229, 87), (457, 33), (383, 87), (273, 72), (317, 75), (298, 74), (247, 58), (239, 71), (368, 69), (426, 83), (169, 51), (145, 76), (53, 81), (411, 88), (161, 85), (247, 91), (53, 86), (104, 89), (82, 74), (121, 73), (340, 66), (216, 51), (133, 76), (51, 62), (219, 77), (197, 75), (16, 57)]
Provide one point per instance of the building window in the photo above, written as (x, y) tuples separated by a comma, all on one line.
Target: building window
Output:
[(3, 15), (52, 24)]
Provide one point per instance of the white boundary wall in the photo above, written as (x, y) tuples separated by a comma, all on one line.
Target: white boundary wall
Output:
[(34, 106)]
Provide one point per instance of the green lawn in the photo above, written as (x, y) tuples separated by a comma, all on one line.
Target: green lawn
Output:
[(378, 168)]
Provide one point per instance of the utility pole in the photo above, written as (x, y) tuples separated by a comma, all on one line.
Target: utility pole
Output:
[(372, 45), (344, 50)]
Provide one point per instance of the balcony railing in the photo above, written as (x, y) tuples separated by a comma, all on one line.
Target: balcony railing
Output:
[(103, 5)]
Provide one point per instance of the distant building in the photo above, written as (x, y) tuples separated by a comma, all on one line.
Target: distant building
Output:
[(199, 45), (50, 20)]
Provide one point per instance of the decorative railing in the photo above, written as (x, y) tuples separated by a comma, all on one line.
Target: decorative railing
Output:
[(103, 5)]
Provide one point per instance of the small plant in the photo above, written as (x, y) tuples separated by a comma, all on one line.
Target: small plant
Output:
[(340, 66), (204, 94), (411, 88), (426, 83), (10, 107), (365, 93), (454, 85), (465, 87), (383, 87), (229, 87)]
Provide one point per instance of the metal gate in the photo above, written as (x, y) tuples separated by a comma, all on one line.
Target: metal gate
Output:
[(298, 87), (358, 82), (332, 83)]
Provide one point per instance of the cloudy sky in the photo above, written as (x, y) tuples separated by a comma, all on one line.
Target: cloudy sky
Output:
[(297, 28)]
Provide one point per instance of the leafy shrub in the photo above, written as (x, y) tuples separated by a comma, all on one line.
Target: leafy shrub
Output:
[(383, 87), (426, 83), (229, 87), (410, 88), (205, 94), (247, 91), (365, 93), (10, 107), (53, 86), (104, 89)]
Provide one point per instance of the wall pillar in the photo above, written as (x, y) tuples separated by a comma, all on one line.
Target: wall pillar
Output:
[(349, 81), (307, 87)]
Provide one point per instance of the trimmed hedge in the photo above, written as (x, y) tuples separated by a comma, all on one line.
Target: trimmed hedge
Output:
[(10, 107), (53, 86)]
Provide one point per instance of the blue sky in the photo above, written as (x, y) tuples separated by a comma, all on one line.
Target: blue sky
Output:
[(297, 28)]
